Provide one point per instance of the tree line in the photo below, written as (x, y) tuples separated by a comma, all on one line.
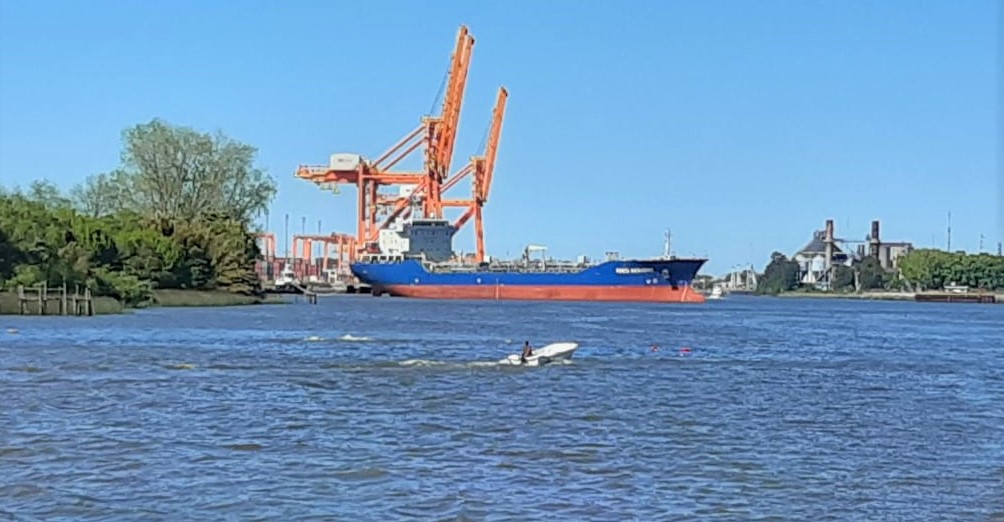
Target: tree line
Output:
[(177, 214), (922, 269), (930, 269)]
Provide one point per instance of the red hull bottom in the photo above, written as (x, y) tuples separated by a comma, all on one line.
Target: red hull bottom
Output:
[(656, 294)]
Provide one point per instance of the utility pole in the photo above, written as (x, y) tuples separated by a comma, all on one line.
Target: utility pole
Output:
[(949, 230), (981, 244)]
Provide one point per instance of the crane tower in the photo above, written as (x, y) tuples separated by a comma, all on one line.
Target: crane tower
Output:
[(422, 194)]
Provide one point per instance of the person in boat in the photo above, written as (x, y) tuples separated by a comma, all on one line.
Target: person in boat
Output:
[(527, 352)]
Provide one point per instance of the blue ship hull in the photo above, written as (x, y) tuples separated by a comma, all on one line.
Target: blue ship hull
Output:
[(665, 280)]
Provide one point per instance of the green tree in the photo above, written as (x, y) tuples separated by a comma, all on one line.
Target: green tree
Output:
[(172, 172), (103, 194), (176, 172), (871, 275), (843, 278), (930, 269), (177, 215), (781, 275), (47, 194)]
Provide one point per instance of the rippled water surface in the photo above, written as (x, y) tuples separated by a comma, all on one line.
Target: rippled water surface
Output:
[(383, 409)]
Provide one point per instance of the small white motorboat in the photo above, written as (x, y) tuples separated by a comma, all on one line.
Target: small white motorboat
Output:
[(544, 355)]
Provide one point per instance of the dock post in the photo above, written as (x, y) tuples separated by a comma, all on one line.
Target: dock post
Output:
[(89, 303), (43, 294), (76, 302), (62, 302), (20, 299)]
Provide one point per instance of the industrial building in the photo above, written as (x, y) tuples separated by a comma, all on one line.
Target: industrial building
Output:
[(817, 259), (888, 253)]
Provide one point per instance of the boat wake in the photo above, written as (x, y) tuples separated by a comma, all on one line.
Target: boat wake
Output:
[(352, 338), (451, 365), (554, 353), (344, 338)]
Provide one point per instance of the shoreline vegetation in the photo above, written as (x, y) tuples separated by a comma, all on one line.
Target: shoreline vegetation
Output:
[(188, 298), (172, 226), (105, 305)]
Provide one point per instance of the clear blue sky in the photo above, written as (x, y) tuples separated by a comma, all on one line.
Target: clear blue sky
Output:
[(741, 126)]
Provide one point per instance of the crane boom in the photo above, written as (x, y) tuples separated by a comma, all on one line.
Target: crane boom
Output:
[(443, 129), (483, 167), (494, 136), (453, 102)]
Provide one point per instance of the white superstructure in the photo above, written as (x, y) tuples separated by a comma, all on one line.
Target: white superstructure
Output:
[(428, 238)]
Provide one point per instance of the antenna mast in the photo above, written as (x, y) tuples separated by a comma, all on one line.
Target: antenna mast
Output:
[(665, 248), (949, 231)]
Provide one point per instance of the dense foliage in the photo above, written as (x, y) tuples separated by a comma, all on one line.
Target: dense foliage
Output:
[(123, 255), (781, 275), (871, 275), (928, 269), (866, 274), (177, 216)]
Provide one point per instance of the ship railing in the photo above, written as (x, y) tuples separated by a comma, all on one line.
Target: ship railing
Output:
[(508, 267), (450, 267), (535, 266)]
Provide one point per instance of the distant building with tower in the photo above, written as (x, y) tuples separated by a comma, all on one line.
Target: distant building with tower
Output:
[(817, 259)]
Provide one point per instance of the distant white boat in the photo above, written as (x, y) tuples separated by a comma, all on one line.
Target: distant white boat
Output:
[(716, 293), (286, 276)]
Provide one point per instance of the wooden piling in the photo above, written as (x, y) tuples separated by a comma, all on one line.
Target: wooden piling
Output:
[(81, 304)]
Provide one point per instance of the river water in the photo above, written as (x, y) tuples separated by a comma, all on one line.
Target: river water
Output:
[(362, 408)]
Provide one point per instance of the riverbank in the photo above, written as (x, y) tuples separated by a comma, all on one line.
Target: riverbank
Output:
[(102, 305), (178, 298), (881, 296), (878, 296), (161, 298)]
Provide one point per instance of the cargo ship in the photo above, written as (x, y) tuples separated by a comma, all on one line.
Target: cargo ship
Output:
[(416, 259)]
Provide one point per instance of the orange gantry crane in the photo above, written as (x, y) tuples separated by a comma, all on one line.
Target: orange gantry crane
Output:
[(438, 134), (343, 244), (482, 167), (267, 244)]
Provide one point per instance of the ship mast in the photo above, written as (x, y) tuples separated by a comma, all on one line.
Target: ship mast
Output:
[(665, 248)]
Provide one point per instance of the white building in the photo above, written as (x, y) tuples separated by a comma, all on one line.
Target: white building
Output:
[(811, 260)]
